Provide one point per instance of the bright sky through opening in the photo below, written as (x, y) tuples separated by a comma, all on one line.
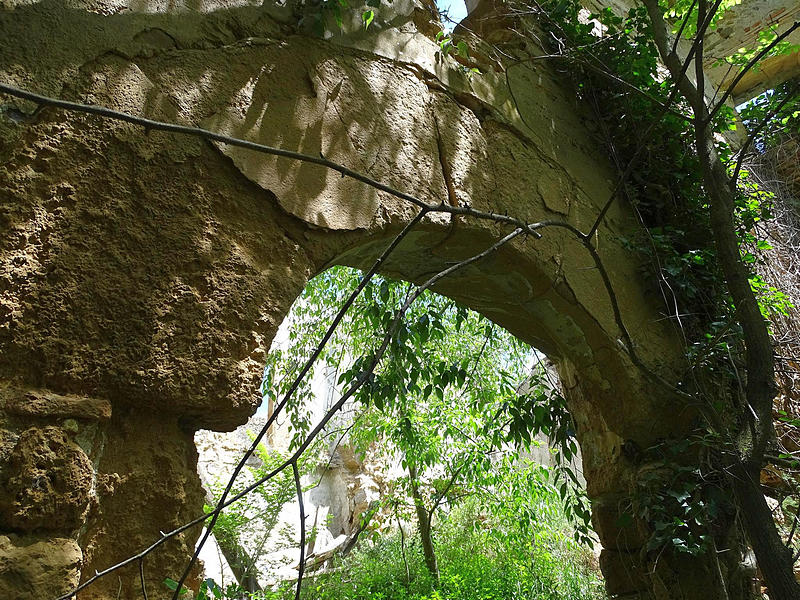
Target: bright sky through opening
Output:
[(455, 9)]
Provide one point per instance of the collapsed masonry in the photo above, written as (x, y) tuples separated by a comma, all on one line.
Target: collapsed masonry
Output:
[(142, 276)]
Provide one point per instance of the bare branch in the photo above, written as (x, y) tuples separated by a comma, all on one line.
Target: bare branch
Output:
[(302, 565), (141, 578), (603, 72)]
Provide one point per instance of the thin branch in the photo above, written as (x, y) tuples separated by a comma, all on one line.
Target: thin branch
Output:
[(704, 24), (794, 528), (635, 158), (603, 72), (699, 73), (402, 545), (684, 22), (440, 497), (344, 431), (529, 228), (364, 375), (302, 565), (141, 577)]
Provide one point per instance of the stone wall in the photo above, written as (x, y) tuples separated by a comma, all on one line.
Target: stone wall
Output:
[(144, 274)]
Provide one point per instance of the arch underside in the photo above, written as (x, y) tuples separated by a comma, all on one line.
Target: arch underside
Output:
[(144, 275)]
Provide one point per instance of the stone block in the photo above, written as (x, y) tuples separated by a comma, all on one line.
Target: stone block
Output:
[(47, 483), (34, 569)]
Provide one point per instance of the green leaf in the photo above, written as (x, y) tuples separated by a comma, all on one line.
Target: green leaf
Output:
[(173, 585), (366, 17)]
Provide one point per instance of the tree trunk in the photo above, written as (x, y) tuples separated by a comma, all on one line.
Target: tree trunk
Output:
[(242, 566), (774, 558), (757, 432), (424, 520)]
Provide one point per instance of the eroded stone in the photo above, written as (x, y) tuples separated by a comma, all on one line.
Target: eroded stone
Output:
[(48, 482), (35, 569), (38, 403)]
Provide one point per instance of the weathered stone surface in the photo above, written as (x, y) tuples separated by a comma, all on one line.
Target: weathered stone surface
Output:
[(48, 482), (147, 483), (624, 572), (29, 403), (35, 569)]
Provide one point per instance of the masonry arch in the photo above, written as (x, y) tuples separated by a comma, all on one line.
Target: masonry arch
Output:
[(144, 275)]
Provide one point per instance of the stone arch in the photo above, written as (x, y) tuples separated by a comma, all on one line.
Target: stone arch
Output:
[(143, 276)]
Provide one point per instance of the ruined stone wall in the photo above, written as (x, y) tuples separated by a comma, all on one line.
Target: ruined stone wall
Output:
[(143, 275)]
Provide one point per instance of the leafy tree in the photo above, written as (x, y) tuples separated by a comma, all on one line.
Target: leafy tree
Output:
[(512, 544), (453, 396)]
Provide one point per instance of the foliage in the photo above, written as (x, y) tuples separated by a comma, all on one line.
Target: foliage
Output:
[(664, 183), (666, 186), (680, 500), (785, 122), (248, 526), (453, 398), (449, 43), (483, 555), (209, 590)]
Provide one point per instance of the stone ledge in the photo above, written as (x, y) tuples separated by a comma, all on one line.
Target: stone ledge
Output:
[(44, 404)]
